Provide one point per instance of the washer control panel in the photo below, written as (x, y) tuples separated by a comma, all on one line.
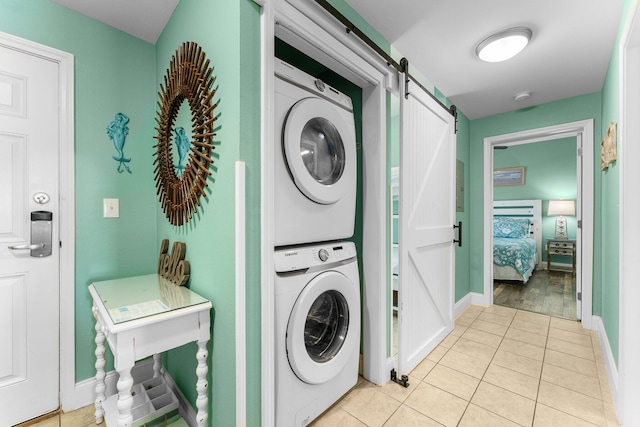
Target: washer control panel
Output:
[(305, 257)]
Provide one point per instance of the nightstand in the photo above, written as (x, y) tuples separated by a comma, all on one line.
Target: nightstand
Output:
[(565, 248)]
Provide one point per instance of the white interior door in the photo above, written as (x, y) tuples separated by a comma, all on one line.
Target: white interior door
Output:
[(427, 215), (29, 285)]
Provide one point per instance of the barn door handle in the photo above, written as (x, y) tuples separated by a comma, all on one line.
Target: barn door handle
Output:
[(459, 227)]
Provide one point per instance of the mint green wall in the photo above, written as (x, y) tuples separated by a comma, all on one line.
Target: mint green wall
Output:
[(564, 111), (463, 254), (550, 173), (113, 73), (229, 34)]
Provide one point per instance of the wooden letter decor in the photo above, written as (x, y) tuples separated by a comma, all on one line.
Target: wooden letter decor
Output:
[(189, 78), (173, 266)]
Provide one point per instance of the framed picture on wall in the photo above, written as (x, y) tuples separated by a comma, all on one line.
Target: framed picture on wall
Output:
[(508, 176)]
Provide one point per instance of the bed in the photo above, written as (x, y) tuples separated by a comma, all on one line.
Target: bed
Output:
[(517, 239)]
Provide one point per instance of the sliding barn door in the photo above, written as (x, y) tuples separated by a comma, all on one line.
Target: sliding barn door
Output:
[(427, 214)]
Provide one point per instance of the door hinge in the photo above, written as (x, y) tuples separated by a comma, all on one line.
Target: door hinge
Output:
[(579, 296), (579, 223), (579, 152), (403, 380)]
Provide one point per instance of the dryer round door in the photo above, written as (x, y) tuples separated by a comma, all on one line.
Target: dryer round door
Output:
[(320, 150), (324, 326)]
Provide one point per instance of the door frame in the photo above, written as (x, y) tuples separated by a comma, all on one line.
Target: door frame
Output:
[(308, 28), (625, 384), (584, 262), (68, 398)]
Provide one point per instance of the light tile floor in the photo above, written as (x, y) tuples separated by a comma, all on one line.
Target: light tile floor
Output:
[(499, 367), (82, 417)]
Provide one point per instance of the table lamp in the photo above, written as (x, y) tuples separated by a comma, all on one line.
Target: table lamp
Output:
[(561, 208)]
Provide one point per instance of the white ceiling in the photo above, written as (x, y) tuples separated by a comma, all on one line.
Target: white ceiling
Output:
[(568, 54), (144, 19)]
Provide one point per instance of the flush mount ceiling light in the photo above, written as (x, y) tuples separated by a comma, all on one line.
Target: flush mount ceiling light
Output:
[(522, 96), (503, 45)]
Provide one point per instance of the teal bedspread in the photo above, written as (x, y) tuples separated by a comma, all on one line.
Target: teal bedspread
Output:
[(518, 253)]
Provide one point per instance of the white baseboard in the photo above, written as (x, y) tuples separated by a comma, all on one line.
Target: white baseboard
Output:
[(480, 299), (472, 298), (607, 357), (186, 410), (459, 307), (85, 392)]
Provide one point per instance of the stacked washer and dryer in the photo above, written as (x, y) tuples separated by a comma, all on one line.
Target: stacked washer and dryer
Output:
[(317, 286)]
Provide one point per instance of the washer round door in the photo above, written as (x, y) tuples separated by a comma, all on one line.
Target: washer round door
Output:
[(324, 328), (320, 150)]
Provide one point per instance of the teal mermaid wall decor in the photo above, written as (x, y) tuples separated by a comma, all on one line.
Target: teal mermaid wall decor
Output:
[(117, 132)]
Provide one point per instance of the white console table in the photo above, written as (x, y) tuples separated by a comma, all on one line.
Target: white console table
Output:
[(144, 316)]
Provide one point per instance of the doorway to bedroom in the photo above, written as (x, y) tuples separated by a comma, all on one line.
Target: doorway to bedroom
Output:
[(576, 138), (535, 271)]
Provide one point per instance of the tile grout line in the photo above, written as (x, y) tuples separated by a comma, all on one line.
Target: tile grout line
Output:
[(544, 356), (474, 391), (567, 413), (547, 336), (486, 369)]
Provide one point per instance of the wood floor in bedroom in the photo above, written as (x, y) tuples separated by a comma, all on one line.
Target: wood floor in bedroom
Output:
[(547, 292)]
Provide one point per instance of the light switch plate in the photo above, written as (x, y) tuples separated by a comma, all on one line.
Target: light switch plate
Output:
[(111, 208)]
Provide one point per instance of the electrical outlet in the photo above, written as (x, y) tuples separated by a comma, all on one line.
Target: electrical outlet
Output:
[(111, 208)]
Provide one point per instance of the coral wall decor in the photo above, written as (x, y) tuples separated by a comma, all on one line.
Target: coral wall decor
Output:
[(179, 186), (608, 147)]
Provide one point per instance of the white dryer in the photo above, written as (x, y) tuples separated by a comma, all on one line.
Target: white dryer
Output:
[(317, 304), (315, 160)]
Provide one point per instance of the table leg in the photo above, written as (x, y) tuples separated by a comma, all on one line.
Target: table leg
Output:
[(202, 384), (100, 374), (157, 364), (125, 399)]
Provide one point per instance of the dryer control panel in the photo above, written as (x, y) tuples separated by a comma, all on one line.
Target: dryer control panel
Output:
[(305, 257), (316, 86)]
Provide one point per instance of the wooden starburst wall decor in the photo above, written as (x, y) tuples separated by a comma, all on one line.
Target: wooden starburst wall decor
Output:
[(189, 78)]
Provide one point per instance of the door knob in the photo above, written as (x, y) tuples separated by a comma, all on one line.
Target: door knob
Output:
[(41, 198)]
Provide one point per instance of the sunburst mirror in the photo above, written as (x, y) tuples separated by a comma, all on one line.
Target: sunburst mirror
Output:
[(185, 126)]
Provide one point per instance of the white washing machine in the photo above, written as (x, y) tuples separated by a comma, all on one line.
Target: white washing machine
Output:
[(315, 160), (317, 304)]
